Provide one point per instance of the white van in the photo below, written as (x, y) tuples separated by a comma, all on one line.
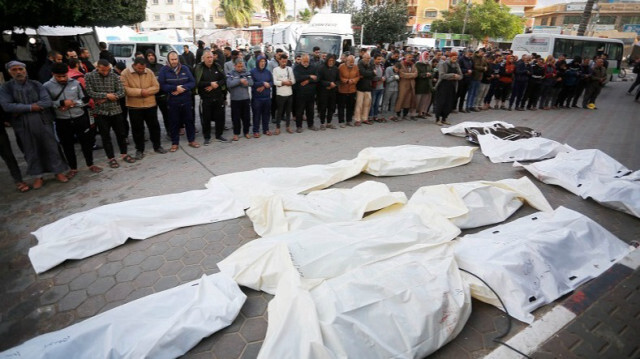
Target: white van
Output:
[(332, 33), (126, 50)]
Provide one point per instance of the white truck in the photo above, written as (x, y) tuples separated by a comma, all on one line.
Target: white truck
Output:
[(332, 33)]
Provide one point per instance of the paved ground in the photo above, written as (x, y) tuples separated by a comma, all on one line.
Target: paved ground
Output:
[(33, 304)]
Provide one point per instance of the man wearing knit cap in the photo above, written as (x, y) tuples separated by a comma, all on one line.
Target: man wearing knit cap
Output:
[(28, 102)]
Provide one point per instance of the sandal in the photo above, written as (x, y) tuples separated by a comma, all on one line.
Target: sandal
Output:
[(247, 136), (22, 187), (173, 148), (95, 169), (289, 130), (38, 183), (268, 133), (128, 159), (256, 135), (194, 144), (72, 174), (277, 132), (62, 178), (235, 137), (113, 163), (367, 122), (356, 124)]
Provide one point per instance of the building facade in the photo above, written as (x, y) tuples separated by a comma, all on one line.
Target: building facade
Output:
[(610, 16), (179, 14)]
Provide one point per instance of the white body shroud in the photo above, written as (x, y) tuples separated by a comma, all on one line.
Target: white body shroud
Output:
[(527, 149), (536, 259), (282, 213), (459, 129), (592, 173), (90, 232), (162, 325)]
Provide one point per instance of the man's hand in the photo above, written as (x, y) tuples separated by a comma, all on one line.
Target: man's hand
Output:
[(266, 85), (214, 85), (36, 108), (100, 101), (244, 82), (287, 83), (112, 97), (332, 85), (144, 93), (428, 74), (68, 103), (304, 83), (208, 88), (260, 89)]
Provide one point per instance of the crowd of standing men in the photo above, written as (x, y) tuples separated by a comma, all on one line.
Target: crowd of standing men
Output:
[(262, 91)]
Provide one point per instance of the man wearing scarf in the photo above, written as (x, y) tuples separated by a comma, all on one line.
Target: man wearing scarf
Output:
[(407, 87), (29, 104)]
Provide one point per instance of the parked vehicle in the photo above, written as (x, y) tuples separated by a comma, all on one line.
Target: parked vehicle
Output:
[(126, 50), (331, 32)]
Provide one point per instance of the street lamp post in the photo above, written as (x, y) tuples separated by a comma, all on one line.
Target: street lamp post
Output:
[(193, 19), (466, 18)]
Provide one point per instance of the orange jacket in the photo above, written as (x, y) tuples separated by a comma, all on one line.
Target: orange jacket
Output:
[(347, 74)]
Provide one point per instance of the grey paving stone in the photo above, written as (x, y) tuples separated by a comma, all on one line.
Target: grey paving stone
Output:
[(54, 294), (91, 306), (67, 275), (254, 307), (83, 280), (152, 263), (128, 274), (254, 329), (101, 286), (146, 279), (190, 273), (166, 283), (119, 292), (192, 258), (72, 300), (134, 258), (109, 269), (170, 268), (174, 253), (195, 244), (229, 346)]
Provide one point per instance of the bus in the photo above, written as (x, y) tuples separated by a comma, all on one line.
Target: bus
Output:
[(556, 45)]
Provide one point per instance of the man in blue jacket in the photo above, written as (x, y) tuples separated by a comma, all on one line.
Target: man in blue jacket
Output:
[(261, 97), (177, 81), (238, 82)]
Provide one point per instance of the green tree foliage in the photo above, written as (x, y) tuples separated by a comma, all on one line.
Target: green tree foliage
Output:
[(488, 19), (306, 15), (343, 6), (238, 13), (34, 13), (275, 8), (317, 4), (384, 23)]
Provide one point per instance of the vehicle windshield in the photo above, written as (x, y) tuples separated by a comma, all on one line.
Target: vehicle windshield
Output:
[(328, 44)]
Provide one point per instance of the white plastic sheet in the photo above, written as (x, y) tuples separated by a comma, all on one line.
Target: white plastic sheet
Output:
[(592, 173), (161, 325), (458, 129), (328, 250), (529, 149), (536, 259), (288, 212), (278, 180), (87, 233), (412, 159), (480, 203), (406, 306)]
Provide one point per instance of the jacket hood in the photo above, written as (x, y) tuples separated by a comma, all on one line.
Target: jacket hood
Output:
[(261, 58)]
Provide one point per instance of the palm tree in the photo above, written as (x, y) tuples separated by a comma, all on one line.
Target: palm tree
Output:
[(238, 13), (317, 4), (275, 8), (586, 16)]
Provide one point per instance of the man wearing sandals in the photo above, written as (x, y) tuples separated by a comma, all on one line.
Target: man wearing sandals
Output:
[(27, 102), (141, 86), (72, 120), (105, 87)]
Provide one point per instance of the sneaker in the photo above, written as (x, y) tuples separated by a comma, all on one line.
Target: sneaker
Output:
[(439, 123), (222, 139), (445, 122), (342, 125), (160, 150), (207, 142), (139, 155), (299, 130), (350, 124)]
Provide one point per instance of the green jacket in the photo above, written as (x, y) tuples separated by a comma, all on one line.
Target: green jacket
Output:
[(424, 84)]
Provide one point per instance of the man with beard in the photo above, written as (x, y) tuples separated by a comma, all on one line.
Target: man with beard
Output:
[(29, 103), (211, 83), (305, 92)]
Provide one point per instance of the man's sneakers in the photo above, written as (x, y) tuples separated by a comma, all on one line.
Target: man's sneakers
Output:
[(207, 142), (139, 155), (220, 139)]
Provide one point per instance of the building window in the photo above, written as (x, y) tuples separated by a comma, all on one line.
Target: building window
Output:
[(431, 13), (630, 20), (154, 2), (199, 18), (220, 13), (455, 2), (172, 17), (607, 20), (156, 17), (169, 2), (571, 19), (544, 21), (553, 21), (210, 18)]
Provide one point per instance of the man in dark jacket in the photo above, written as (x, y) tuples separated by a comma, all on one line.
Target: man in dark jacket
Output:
[(187, 58), (211, 83), (594, 85), (522, 73), (328, 79), (535, 83), (106, 54), (305, 92), (199, 52), (364, 87), (466, 66), (44, 74), (261, 96)]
